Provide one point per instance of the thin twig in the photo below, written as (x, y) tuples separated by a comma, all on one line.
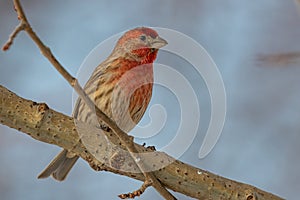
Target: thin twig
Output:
[(13, 35), (136, 193), (124, 138)]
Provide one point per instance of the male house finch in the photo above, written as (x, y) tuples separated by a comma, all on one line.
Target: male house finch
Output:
[(121, 87)]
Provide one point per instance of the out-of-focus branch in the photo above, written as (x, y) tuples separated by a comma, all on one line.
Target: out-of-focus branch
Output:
[(279, 59), (298, 4), (126, 140), (47, 125)]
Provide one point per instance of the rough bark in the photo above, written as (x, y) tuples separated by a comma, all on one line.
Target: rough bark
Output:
[(49, 126)]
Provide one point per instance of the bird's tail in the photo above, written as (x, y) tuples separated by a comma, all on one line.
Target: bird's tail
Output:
[(59, 167)]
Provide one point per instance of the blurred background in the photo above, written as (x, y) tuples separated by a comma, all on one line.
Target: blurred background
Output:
[(255, 45)]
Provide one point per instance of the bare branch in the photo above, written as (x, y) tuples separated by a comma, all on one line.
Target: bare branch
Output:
[(136, 193), (14, 34), (124, 138), (280, 58), (47, 125)]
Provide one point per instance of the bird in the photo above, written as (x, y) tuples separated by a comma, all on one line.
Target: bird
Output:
[(121, 87)]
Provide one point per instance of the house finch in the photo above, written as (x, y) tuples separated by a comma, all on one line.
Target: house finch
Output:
[(121, 87)]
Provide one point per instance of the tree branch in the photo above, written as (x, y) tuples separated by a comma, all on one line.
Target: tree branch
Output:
[(126, 140), (116, 153), (47, 125)]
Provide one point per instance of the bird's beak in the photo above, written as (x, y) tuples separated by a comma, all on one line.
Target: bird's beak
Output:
[(158, 43)]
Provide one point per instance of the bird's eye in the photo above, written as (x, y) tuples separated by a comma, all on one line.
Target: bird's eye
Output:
[(143, 37)]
